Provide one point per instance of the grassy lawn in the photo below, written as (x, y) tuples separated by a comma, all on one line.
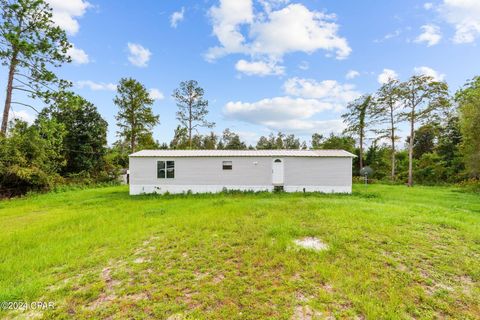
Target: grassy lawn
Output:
[(393, 253)]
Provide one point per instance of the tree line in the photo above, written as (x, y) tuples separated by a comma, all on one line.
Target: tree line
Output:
[(442, 145), (68, 139)]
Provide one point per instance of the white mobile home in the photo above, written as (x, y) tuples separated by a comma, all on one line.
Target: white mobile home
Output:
[(177, 171)]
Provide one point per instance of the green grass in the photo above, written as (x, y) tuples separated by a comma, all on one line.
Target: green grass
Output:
[(394, 253)]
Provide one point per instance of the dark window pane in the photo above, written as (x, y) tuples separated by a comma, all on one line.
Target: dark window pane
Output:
[(170, 169), (160, 169), (227, 165), (278, 161), (161, 174)]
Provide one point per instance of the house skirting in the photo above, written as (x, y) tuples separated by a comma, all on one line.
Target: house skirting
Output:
[(173, 189)]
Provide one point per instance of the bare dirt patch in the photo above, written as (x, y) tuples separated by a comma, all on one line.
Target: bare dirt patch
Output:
[(305, 313), (311, 243)]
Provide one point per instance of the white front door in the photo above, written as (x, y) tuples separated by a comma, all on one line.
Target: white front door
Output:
[(277, 172)]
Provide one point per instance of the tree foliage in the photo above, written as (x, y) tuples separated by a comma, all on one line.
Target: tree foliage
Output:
[(385, 117), (280, 141), (135, 116), (356, 120), (468, 99), (232, 141), (30, 46), (192, 107), (31, 156), (422, 98), (85, 142)]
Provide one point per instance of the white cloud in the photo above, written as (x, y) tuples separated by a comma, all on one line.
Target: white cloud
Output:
[(250, 137), (296, 112), (387, 75), (275, 109), (295, 28), (227, 19), (308, 126), (96, 86), (138, 55), (283, 114), (272, 33), (177, 17), (464, 15), (259, 68), (66, 13), (389, 36), (437, 76), (430, 35), (78, 55), (428, 5), (21, 115), (352, 74), (156, 94), (331, 92)]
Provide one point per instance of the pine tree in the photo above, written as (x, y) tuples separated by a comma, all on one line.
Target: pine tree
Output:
[(135, 117), (192, 107), (30, 44)]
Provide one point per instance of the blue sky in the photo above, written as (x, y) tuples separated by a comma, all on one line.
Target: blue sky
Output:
[(265, 65)]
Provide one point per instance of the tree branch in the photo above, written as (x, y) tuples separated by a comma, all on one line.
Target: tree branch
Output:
[(26, 105)]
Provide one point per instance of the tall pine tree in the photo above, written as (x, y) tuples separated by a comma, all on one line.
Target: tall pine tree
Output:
[(135, 116), (30, 45)]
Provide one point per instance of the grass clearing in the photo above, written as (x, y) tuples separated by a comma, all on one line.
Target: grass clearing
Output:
[(393, 253)]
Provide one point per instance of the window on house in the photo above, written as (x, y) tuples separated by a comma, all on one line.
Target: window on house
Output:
[(227, 165), (165, 169), (170, 169)]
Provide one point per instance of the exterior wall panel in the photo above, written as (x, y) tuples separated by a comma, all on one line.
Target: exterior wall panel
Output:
[(318, 171), (205, 174)]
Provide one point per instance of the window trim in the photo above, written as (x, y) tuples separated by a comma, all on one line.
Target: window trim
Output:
[(166, 169)]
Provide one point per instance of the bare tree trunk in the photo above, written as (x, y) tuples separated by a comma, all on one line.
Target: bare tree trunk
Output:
[(361, 152), (393, 158), (392, 137), (190, 133), (8, 97), (410, 149), (132, 134), (190, 124), (132, 143)]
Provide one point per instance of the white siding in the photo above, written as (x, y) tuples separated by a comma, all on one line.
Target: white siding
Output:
[(205, 174), (318, 171), (203, 171)]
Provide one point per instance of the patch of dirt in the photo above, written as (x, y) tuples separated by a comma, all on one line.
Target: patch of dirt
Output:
[(296, 277), (141, 260), (466, 283), (102, 299), (218, 278), (327, 287), (107, 278), (311, 243), (305, 313), (136, 297), (199, 275), (108, 295), (31, 315), (299, 296), (436, 287)]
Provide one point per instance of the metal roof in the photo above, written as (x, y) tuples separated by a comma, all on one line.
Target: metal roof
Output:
[(243, 153)]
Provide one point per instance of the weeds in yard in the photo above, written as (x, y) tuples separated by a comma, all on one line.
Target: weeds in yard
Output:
[(393, 253)]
